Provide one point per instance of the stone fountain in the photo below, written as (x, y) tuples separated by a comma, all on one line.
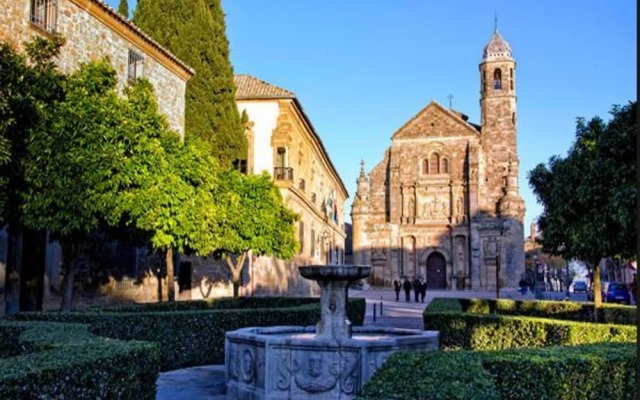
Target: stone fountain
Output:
[(329, 361)]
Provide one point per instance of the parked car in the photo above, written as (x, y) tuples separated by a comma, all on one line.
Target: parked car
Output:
[(579, 287), (612, 292)]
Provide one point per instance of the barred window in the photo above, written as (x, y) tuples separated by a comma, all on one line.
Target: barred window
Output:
[(136, 61), (301, 237), (44, 14)]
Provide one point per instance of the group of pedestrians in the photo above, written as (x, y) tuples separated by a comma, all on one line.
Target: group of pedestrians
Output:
[(417, 285)]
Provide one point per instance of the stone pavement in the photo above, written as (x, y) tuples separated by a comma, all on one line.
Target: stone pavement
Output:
[(207, 382)]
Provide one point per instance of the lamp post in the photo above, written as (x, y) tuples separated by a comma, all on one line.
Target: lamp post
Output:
[(561, 249)]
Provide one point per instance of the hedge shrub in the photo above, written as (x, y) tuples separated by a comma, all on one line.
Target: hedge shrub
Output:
[(433, 375), (66, 361), (219, 303), (600, 371), (565, 310), (190, 338), (495, 332)]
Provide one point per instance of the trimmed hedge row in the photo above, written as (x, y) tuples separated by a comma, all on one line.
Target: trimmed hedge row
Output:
[(433, 375), (497, 332), (605, 370), (566, 310), (189, 338), (65, 361), (219, 303)]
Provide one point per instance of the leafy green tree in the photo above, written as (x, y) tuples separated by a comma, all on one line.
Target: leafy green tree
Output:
[(255, 219), (173, 200), (68, 168), (123, 8), (589, 196), (194, 30), (30, 85)]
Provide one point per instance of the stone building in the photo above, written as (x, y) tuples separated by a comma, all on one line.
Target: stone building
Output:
[(283, 142), (443, 204), (92, 30)]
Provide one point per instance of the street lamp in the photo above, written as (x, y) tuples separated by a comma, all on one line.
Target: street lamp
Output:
[(561, 250)]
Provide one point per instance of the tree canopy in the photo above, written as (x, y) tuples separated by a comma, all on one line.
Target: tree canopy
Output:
[(29, 86), (194, 30), (111, 160), (589, 196), (123, 8), (255, 219)]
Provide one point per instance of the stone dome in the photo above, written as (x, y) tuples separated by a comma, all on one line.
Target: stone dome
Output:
[(496, 48)]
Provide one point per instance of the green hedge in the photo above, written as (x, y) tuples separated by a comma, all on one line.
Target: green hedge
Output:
[(603, 371), (565, 310), (189, 338), (66, 361), (600, 371), (219, 303), (443, 304), (494, 332), (433, 375)]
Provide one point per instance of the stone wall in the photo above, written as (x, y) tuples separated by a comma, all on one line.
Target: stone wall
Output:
[(87, 39)]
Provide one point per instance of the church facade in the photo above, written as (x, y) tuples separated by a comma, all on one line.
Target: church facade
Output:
[(443, 204)]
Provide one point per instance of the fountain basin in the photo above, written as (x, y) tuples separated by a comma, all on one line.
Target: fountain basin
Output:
[(292, 362)]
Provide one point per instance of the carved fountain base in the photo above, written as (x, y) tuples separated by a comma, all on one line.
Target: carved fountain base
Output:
[(330, 361)]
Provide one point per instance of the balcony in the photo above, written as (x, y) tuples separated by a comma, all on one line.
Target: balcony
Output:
[(283, 174)]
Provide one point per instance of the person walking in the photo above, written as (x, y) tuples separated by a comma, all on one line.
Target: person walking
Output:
[(423, 291), (406, 285), (417, 289), (396, 287)]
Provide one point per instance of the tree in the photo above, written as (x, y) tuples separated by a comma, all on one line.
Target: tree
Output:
[(255, 219), (589, 196), (68, 168), (123, 8), (30, 85), (165, 187), (194, 30)]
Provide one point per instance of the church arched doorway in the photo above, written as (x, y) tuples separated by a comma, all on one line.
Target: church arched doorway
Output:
[(436, 271)]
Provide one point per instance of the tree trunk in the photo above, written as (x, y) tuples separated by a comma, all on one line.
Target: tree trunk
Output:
[(171, 290), (69, 254), (13, 272), (597, 292), (236, 272)]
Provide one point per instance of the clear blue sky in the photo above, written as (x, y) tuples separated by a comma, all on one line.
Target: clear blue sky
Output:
[(362, 68)]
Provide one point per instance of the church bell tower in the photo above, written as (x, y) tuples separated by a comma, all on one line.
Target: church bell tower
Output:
[(498, 95), (498, 113)]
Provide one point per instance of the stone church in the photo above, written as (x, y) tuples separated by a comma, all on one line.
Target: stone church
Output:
[(443, 204)]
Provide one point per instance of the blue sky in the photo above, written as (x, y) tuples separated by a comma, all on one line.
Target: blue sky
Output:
[(362, 68)]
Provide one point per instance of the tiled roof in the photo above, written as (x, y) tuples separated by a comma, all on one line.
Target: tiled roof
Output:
[(496, 48), (249, 87), (113, 13)]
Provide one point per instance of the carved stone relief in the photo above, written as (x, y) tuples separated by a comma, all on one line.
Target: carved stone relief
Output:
[(315, 372), (435, 207)]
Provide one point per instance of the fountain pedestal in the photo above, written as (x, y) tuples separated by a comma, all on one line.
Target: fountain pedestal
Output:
[(334, 281), (330, 361)]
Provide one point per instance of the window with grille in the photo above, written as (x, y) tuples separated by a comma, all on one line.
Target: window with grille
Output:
[(44, 14), (240, 166), (313, 243), (136, 61), (301, 237)]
